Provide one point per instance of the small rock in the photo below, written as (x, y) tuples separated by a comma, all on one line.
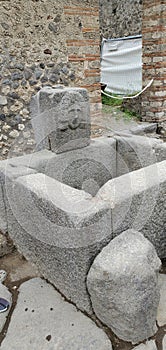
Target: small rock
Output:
[(32, 82), (6, 128), (57, 18), (50, 64), (65, 70), (13, 95), (6, 82), (23, 83), (27, 74), (53, 27), (5, 151), (24, 112), (5, 25), (15, 85), (54, 78), (16, 76), (42, 65), (14, 134), (5, 89), (48, 52), (38, 73), (26, 134), (72, 77), (19, 66), (2, 117), (44, 79), (149, 345), (21, 127), (3, 100), (161, 313)]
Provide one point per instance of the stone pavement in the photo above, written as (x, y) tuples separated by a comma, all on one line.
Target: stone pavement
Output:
[(43, 320), (40, 318)]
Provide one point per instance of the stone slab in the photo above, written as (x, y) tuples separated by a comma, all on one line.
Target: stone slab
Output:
[(144, 128), (135, 152), (43, 320), (149, 345), (123, 284), (60, 229), (4, 293), (137, 201), (37, 161), (61, 118), (161, 313)]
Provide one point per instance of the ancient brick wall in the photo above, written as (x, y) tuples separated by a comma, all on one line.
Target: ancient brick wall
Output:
[(154, 60), (120, 18), (44, 43)]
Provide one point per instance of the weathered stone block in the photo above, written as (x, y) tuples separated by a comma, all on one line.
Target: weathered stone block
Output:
[(135, 152), (123, 284), (61, 118), (60, 229), (8, 172), (137, 201)]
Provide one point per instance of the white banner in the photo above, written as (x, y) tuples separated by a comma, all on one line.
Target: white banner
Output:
[(121, 65)]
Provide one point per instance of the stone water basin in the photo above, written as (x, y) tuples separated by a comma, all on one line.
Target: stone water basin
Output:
[(62, 204), (62, 209)]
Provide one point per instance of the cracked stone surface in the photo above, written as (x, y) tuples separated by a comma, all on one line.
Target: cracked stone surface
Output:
[(4, 293), (149, 345), (43, 320), (161, 314)]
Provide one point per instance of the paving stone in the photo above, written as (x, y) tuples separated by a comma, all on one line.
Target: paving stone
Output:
[(149, 345), (43, 320), (137, 201), (4, 293), (164, 343), (123, 284), (161, 314)]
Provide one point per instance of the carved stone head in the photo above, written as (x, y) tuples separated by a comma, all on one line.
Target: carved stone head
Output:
[(64, 116)]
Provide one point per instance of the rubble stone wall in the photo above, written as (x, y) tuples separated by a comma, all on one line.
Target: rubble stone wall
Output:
[(154, 60), (120, 18), (44, 43)]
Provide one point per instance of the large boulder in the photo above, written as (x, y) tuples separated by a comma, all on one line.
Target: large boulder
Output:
[(123, 284)]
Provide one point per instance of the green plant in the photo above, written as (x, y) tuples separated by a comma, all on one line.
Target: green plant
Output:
[(111, 101), (130, 114)]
